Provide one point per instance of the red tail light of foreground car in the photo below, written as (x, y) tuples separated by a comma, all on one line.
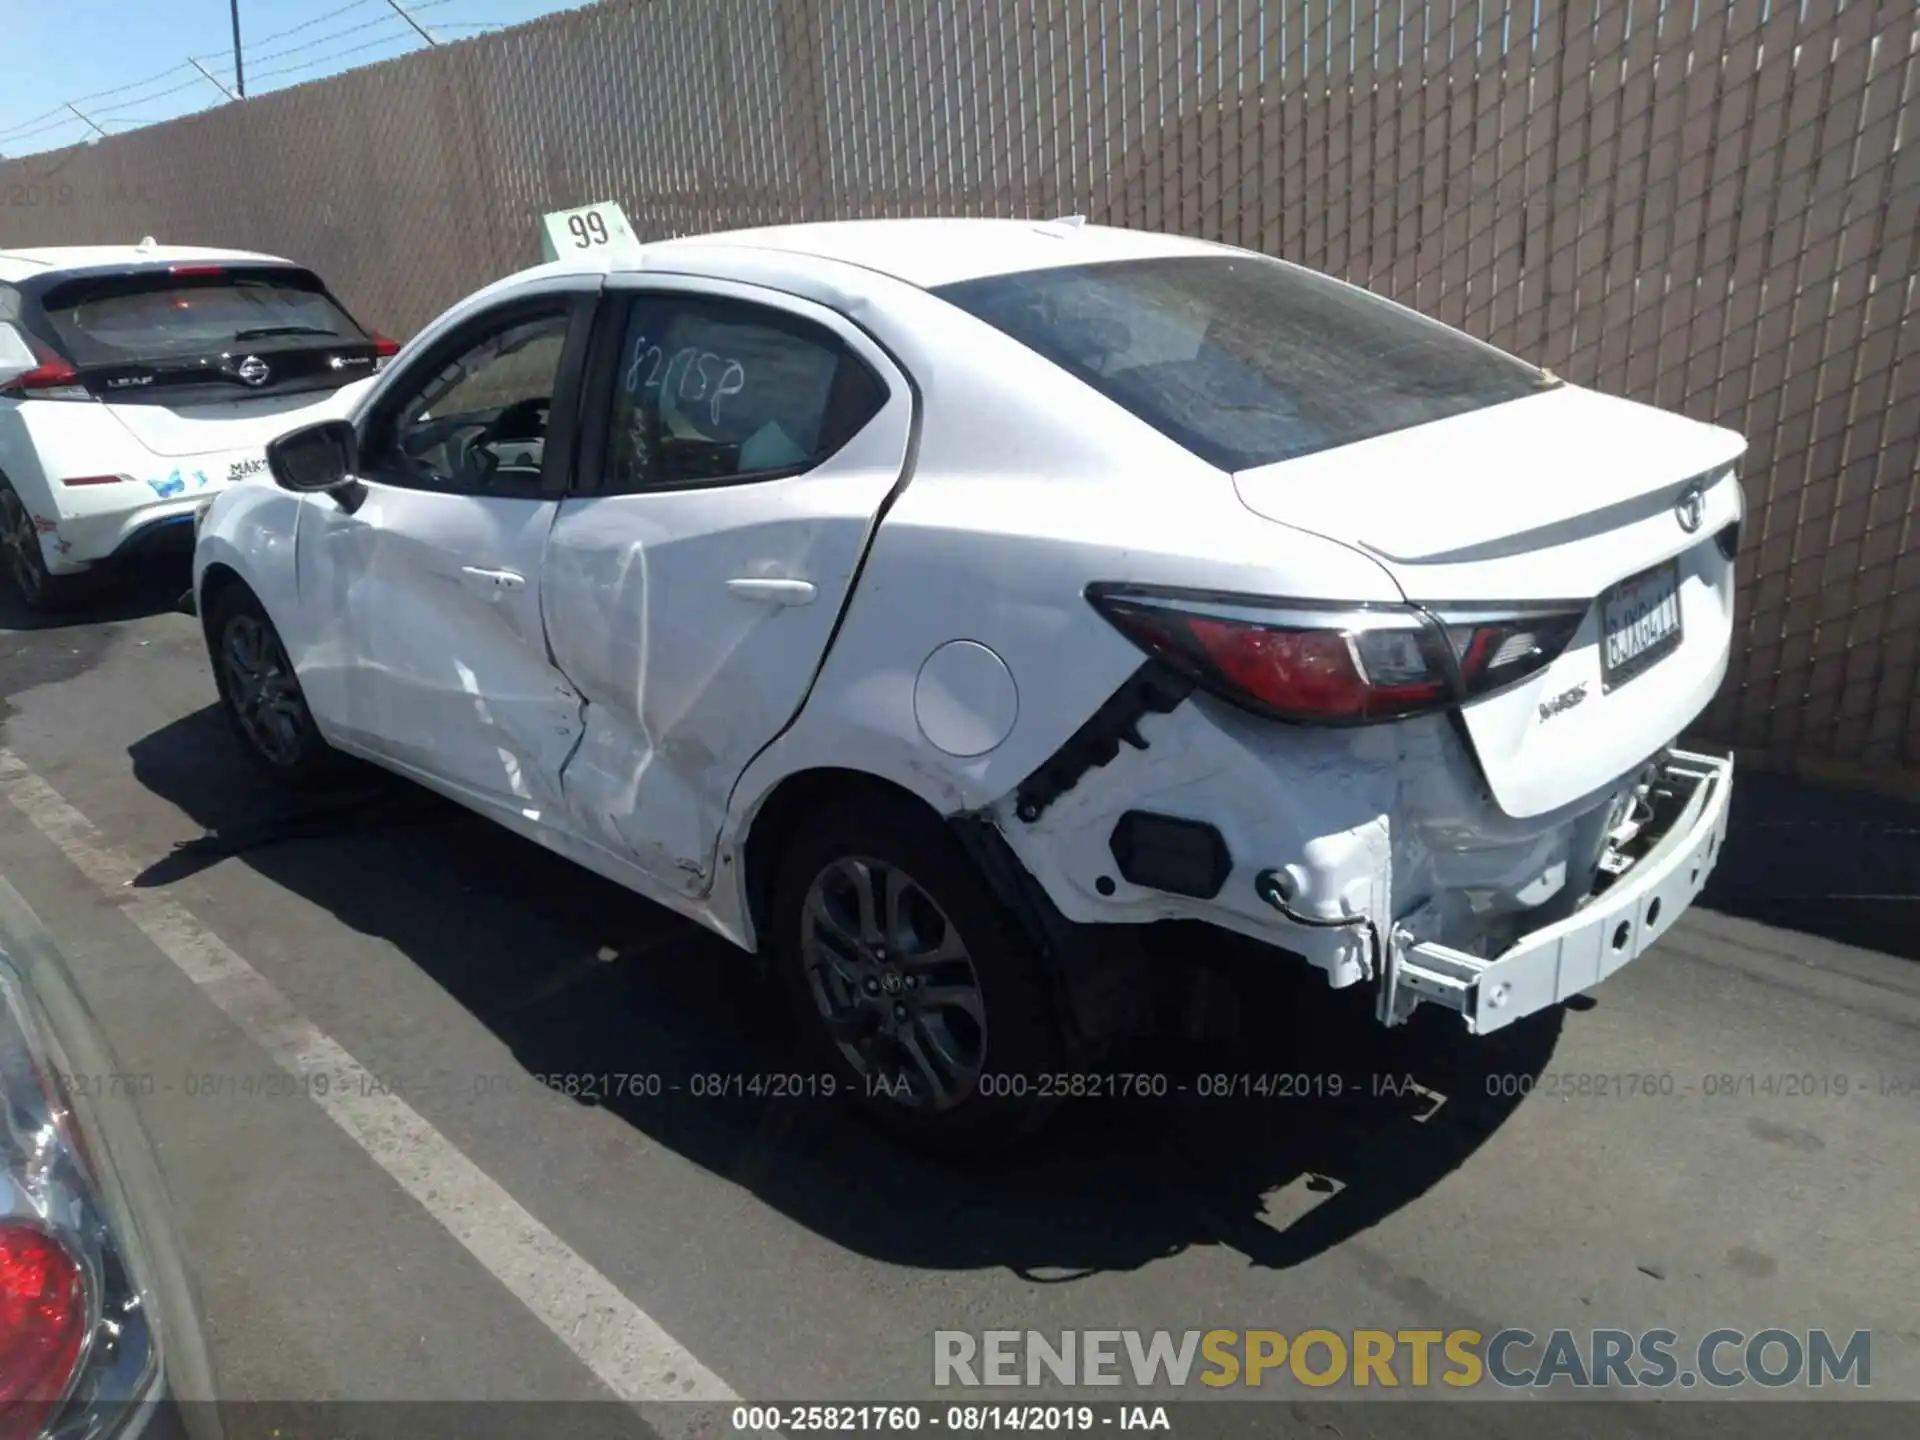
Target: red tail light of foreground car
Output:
[(1339, 664), (98, 1332)]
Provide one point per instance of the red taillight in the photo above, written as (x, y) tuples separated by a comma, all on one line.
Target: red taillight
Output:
[(1308, 672), (43, 1326), (385, 348), (1336, 664), (196, 269), (52, 373)]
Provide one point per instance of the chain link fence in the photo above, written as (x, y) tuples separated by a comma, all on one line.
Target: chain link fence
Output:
[(1710, 205)]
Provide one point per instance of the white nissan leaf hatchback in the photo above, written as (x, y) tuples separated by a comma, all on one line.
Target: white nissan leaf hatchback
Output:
[(923, 604), (137, 380)]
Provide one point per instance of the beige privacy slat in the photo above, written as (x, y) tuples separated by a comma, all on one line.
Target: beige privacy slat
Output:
[(1711, 206)]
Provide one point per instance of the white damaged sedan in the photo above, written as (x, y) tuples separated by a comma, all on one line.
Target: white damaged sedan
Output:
[(923, 604)]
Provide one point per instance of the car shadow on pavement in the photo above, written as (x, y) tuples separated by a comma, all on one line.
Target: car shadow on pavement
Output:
[(1840, 864), (86, 633), (153, 590), (1328, 1123)]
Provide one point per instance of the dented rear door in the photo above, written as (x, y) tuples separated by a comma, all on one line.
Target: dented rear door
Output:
[(741, 448)]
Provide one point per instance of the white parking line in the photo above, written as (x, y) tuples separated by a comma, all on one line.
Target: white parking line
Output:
[(623, 1346)]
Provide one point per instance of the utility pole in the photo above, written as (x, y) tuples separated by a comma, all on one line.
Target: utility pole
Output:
[(395, 4), (212, 79), (239, 69)]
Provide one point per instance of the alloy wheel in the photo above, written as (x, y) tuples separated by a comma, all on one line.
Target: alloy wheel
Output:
[(891, 977), (261, 687), (20, 543)]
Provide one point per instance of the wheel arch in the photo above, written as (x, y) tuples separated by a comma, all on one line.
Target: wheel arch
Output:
[(778, 815), (1094, 973), (216, 580)]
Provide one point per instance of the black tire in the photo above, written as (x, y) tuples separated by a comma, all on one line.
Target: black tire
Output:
[(261, 696), (1018, 1035), (26, 566)]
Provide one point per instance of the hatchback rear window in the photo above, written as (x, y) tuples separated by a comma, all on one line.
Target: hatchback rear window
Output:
[(158, 315), (1244, 360)]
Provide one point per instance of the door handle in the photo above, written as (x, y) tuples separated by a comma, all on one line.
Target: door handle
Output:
[(491, 582), (774, 592)]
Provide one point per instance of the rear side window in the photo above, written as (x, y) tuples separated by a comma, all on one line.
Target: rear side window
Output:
[(158, 315), (712, 391), (1243, 360)]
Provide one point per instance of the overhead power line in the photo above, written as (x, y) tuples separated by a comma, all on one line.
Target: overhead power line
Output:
[(131, 85), (220, 71), (60, 124), (253, 55), (193, 84), (321, 40), (96, 95), (323, 59), (304, 25)]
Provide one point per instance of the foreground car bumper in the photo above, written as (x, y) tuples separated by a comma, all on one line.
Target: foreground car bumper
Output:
[(1575, 954)]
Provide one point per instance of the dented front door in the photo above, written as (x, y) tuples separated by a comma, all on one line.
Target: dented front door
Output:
[(750, 442)]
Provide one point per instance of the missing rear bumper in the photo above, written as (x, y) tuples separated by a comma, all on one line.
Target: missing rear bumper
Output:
[(1614, 928)]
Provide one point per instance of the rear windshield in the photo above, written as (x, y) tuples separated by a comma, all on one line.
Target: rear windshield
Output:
[(1244, 360), (164, 314)]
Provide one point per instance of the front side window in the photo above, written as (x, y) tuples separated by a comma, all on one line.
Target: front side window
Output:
[(711, 391), (478, 425), (1243, 360)]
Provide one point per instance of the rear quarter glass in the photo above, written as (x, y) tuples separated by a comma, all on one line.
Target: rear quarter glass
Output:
[(1245, 360)]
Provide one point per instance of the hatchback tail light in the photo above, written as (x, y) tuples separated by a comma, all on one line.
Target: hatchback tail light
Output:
[(52, 379), (1338, 664), (384, 350)]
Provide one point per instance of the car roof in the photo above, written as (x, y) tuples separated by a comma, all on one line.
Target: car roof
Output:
[(25, 264), (934, 252)]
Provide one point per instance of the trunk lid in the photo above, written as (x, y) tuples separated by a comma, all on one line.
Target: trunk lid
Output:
[(1556, 497)]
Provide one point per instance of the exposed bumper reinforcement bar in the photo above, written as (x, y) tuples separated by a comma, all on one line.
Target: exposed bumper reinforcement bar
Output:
[(1575, 954)]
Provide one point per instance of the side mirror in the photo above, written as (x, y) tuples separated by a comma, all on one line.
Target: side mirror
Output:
[(315, 458)]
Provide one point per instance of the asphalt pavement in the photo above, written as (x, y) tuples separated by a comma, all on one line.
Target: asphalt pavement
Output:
[(444, 1225)]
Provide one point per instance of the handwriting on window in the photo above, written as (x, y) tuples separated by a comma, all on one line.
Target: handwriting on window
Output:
[(689, 374)]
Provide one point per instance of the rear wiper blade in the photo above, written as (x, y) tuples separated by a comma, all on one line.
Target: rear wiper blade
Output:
[(269, 330)]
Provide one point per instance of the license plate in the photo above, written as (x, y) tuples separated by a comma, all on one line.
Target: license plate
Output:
[(1641, 623)]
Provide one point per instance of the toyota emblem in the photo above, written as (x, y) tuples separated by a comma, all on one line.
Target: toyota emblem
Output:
[(253, 370), (1691, 508)]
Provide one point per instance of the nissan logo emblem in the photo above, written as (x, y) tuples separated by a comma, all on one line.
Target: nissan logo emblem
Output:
[(1690, 509), (253, 370)]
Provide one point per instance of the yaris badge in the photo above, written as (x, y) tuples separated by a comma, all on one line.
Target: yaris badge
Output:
[(253, 370), (1565, 700), (1691, 508)]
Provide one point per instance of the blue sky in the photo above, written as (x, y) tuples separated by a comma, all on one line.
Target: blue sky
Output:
[(139, 50)]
